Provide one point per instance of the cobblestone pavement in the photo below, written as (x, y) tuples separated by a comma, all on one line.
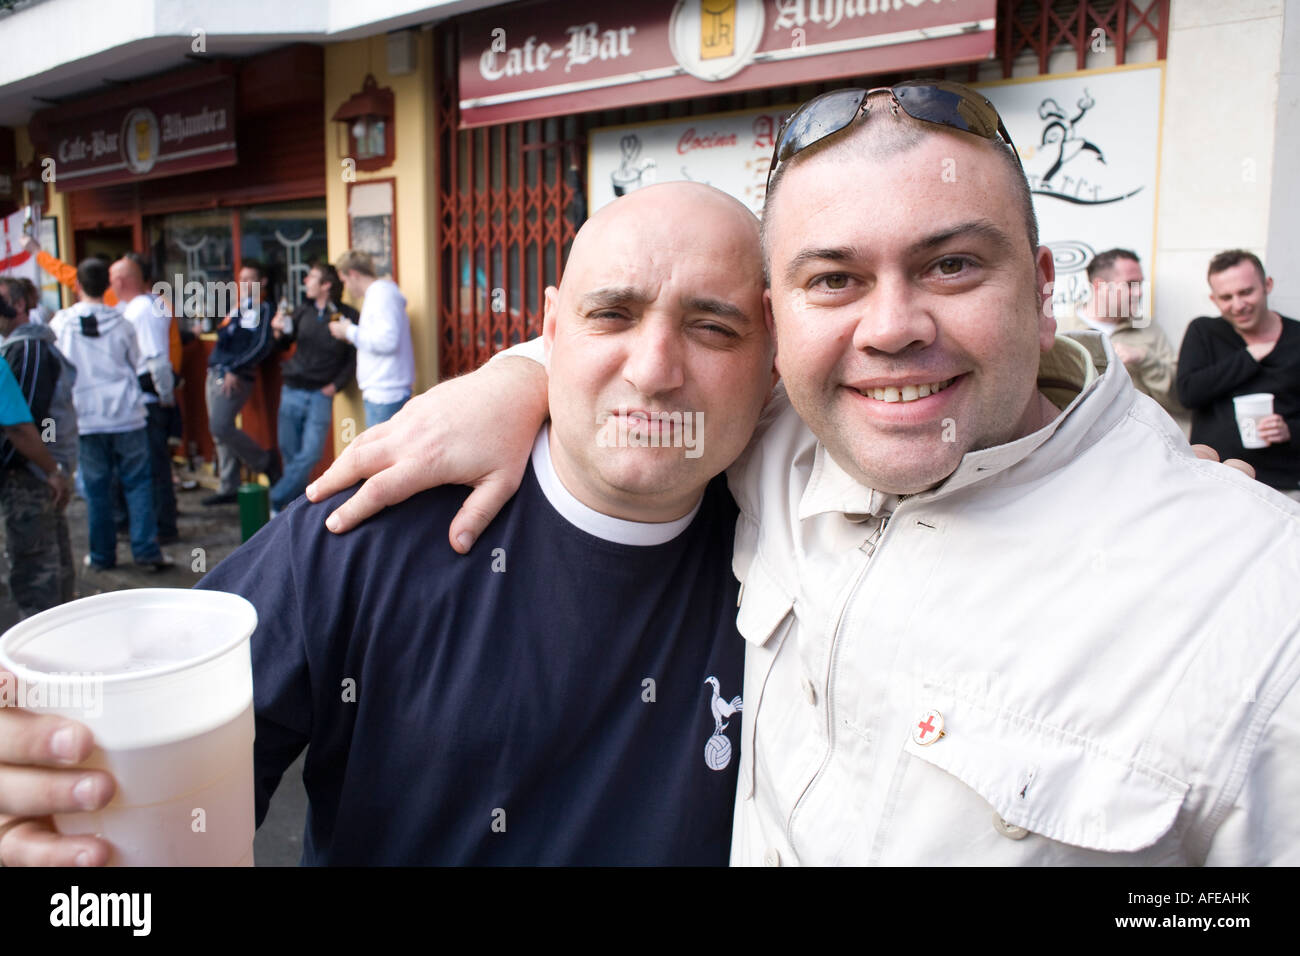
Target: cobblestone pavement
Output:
[(207, 536)]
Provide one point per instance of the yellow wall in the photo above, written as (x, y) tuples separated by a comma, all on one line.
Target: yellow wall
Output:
[(415, 191)]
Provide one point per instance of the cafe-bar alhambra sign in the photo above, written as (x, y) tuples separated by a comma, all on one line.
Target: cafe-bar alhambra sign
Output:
[(545, 58)]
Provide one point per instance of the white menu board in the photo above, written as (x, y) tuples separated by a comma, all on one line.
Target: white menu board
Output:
[(1089, 143), (730, 151)]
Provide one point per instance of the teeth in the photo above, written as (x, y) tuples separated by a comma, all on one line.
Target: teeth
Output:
[(908, 393)]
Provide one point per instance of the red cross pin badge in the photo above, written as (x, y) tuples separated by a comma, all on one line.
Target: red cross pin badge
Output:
[(928, 729)]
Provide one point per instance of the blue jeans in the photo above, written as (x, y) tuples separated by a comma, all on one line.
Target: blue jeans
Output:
[(377, 412), (126, 455), (305, 420), (158, 426)]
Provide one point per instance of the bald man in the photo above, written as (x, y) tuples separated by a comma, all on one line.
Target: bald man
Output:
[(572, 697), (152, 323)]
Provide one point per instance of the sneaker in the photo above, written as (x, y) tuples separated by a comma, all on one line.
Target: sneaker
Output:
[(220, 498), (161, 563), (92, 566)]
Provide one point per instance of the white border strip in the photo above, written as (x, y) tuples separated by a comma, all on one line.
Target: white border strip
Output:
[(198, 151), (86, 172), (577, 86), (819, 49), (866, 43)]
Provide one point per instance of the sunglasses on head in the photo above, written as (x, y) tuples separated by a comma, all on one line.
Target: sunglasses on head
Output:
[(930, 101)]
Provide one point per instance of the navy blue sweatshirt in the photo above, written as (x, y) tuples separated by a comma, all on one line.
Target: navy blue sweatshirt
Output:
[(543, 700)]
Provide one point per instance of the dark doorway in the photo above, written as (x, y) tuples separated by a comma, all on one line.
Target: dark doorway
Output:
[(107, 244)]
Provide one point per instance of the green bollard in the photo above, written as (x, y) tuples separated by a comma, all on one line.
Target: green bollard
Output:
[(254, 508)]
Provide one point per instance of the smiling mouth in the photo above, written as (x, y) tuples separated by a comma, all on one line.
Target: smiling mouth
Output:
[(905, 393)]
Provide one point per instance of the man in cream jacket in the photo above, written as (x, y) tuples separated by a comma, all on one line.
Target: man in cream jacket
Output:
[(963, 646), (1115, 308)]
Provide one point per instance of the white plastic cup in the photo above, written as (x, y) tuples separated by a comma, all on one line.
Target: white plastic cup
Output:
[(1249, 409), (163, 678)]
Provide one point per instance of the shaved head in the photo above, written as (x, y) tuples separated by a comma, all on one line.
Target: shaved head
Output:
[(684, 205), (128, 268), (126, 278), (660, 356)]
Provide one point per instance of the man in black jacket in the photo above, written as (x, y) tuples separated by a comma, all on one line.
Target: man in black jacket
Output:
[(321, 366), (1247, 349), (243, 342)]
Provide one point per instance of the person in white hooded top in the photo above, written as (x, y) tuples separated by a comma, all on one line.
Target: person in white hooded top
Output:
[(102, 346)]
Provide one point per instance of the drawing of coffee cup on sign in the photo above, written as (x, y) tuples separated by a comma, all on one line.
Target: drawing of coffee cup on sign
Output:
[(631, 174)]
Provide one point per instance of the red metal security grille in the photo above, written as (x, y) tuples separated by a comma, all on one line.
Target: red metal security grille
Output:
[(511, 197), (1042, 27), (511, 201)]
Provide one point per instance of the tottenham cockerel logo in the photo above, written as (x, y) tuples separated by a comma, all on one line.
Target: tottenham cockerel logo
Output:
[(717, 752)]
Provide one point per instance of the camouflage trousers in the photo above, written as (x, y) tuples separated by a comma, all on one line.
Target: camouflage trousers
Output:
[(37, 545)]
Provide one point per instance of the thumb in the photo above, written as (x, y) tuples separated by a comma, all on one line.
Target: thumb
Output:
[(483, 504), (1245, 468)]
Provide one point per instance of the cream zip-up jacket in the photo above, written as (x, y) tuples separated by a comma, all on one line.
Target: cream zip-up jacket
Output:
[(1080, 648)]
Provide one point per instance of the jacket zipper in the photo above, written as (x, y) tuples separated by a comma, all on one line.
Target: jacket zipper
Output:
[(876, 542)]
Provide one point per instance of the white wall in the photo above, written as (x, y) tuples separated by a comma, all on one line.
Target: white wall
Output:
[(1283, 252), (1217, 170), (1230, 146)]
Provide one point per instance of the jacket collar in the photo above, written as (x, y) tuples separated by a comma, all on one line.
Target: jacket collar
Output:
[(1081, 314), (31, 330), (1080, 364)]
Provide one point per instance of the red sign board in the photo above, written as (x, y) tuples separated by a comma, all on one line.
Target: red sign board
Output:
[(547, 58), (157, 136)]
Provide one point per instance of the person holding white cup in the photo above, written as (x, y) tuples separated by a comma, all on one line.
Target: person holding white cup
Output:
[(1239, 373)]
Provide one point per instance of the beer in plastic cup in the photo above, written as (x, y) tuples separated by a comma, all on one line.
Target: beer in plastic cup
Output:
[(163, 678), (1249, 409)]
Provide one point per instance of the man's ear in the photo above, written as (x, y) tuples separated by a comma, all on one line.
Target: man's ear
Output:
[(1268, 285), (1045, 274), (771, 331), (550, 315)]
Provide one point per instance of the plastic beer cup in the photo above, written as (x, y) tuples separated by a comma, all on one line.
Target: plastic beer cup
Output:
[(163, 678), (1249, 409)]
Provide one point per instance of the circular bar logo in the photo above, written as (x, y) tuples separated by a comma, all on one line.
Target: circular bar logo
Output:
[(715, 39), (140, 140)]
